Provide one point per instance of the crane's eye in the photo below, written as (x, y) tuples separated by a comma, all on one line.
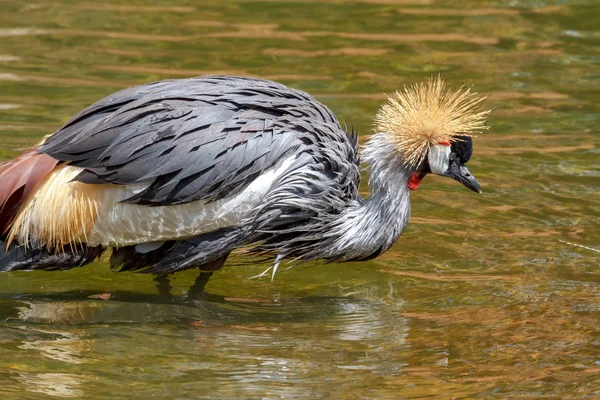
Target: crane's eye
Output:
[(463, 148)]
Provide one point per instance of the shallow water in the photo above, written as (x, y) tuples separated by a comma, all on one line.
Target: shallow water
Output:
[(484, 296)]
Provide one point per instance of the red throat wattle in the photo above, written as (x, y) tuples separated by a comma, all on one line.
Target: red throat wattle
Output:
[(414, 181)]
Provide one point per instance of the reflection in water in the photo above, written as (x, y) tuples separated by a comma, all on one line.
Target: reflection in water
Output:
[(55, 385), (68, 348), (234, 342), (57, 313), (64, 348)]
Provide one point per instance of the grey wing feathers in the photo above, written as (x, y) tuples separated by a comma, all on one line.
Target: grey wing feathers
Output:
[(191, 139)]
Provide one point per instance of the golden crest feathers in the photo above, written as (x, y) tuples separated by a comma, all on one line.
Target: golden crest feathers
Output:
[(426, 114)]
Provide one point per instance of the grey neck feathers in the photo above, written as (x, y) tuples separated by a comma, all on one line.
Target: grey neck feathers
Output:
[(368, 228)]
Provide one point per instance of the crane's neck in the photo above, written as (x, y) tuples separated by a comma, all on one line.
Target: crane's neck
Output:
[(371, 226)]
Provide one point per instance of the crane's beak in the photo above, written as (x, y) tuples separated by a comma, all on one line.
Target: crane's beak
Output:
[(442, 161), (459, 172)]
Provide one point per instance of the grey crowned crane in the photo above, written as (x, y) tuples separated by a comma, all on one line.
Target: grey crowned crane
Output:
[(176, 174)]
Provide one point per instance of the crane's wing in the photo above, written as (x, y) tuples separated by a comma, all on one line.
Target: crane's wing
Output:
[(200, 138)]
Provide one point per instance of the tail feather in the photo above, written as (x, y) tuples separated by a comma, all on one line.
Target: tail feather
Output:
[(11, 256), (15, 257), (18, 178)]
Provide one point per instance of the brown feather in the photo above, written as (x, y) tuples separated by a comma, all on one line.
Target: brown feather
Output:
[(59, 213), (18, 178)]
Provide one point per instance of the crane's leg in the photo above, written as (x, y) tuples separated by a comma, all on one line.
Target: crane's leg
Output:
[(163, 285), (197, 289), (206, 252), (206, 271)]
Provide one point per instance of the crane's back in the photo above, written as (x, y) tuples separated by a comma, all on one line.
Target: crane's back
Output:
[(175, 159)]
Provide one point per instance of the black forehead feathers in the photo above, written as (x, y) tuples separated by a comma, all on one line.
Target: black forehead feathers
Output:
[(463, 148)]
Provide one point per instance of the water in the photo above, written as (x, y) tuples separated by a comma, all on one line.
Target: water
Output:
[(484, 296)]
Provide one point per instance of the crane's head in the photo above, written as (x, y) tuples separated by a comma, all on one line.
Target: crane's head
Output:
[(430, 129)]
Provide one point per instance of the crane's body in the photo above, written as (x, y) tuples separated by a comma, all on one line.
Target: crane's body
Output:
[(177, 174)]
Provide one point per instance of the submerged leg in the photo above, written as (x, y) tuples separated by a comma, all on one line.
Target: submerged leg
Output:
[(197, 289), (206, 271), (163, 285), (206, 252)]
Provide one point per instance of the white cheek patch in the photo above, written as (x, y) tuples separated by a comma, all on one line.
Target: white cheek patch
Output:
[(439, 158)]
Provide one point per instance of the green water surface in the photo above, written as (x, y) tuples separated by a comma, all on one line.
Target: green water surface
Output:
[(484, 296)]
